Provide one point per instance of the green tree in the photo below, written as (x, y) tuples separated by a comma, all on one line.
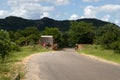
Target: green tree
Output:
[(5, 44), (108, 37), (65, 40), (24, 37), (55, 32), (81, 32)]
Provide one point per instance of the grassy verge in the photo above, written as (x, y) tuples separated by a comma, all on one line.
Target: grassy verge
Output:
[(100, 52), (14, 65)]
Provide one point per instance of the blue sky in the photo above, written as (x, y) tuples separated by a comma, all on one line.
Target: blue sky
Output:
[(106, 10)]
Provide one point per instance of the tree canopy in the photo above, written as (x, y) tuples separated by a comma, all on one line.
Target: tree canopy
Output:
[(109, 37), (55, 32), (81, 32), (25, 36)]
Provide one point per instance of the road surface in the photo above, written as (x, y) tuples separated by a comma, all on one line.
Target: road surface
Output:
[(68, 65)]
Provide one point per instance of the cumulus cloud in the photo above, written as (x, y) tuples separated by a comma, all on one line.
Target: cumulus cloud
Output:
[(106, 18), (82, 17), (90, 0), (56, 2), (74, 17), (110, 8), (33, 8), (117, 21), (61, 2), (3, 13), (45, 14), (91, 11), (28, 8)]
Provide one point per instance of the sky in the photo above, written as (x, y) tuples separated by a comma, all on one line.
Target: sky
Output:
[(106, 10)]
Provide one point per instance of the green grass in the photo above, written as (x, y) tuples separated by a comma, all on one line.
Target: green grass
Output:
[(13, 64), (96, 50), (26, 51)]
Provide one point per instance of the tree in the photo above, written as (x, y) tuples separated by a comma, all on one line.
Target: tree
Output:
[(24, 37), (108, 37), (65, 40), (5, 44), (55, 32), (81, 32)]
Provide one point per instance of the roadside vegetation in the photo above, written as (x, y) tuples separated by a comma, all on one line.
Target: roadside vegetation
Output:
[(14, 63), (97, 50), (16, 45)]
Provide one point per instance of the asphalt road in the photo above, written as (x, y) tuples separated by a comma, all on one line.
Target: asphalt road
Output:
[(67, 65)]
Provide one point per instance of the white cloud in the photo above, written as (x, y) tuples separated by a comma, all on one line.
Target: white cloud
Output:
[(90, 0), (3, 13), (106, 18), (91, 11), (61, 2), (28, 8), (110, 8), (86, 0), (56, 2), (33, 8), (82, 17), (45, 14), (117, 21), (74, 17)]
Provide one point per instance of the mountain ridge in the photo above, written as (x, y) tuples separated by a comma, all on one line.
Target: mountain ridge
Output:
[(13, 23)]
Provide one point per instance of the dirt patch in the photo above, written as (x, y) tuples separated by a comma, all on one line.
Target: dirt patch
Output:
[(24, 61)]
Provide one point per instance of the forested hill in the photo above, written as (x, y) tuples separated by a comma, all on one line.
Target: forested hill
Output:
[(16, 23)]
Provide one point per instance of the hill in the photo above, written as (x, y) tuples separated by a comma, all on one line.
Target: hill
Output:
[(13, 23)]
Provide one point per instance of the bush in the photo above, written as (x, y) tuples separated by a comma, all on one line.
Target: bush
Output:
[(6, 45), (108, 37), (15, 47), (116, 46)]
